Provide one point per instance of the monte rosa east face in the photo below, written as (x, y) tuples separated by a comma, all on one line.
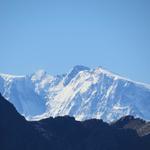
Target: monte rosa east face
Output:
[(82, 92)]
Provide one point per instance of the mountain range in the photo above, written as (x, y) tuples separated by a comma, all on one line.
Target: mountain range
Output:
[(83, 93), (65, 133)]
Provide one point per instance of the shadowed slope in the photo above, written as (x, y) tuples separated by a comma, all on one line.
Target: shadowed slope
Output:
[(65, 133)]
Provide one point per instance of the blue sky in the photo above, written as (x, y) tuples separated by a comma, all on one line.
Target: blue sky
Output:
[(57, 34)]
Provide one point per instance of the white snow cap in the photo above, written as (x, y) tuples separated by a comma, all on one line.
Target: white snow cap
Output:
[(82, 92)]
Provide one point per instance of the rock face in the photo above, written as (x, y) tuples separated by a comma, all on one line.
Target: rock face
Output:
[(65, 133), (83, 93)]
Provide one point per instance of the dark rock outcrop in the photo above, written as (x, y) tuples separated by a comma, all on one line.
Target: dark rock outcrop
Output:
[(65, 133)]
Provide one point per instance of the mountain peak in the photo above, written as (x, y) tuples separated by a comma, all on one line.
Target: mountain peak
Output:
[(83, 93), (38, 74), (73, 72), (80, 68)]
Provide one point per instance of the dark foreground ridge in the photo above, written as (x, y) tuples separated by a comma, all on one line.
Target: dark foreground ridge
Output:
[(64, 133)]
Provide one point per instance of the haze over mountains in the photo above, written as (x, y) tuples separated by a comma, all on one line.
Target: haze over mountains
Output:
[(82, 92)]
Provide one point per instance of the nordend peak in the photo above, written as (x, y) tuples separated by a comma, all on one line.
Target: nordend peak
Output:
[(73, 72)]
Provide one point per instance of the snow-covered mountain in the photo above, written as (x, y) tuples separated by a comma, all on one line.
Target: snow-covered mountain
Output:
[(83, 93)]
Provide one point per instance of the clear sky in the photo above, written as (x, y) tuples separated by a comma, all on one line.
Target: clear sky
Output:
[(55, 35)]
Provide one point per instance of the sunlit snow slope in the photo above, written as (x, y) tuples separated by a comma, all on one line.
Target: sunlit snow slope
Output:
[(83, 93)]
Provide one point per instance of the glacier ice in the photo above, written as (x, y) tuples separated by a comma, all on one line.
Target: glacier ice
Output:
[(83, 93)]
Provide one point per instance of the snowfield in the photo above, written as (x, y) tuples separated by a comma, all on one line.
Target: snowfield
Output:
[(83, 93)]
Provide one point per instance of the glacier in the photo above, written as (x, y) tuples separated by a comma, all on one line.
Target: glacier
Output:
[(83, 93)]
